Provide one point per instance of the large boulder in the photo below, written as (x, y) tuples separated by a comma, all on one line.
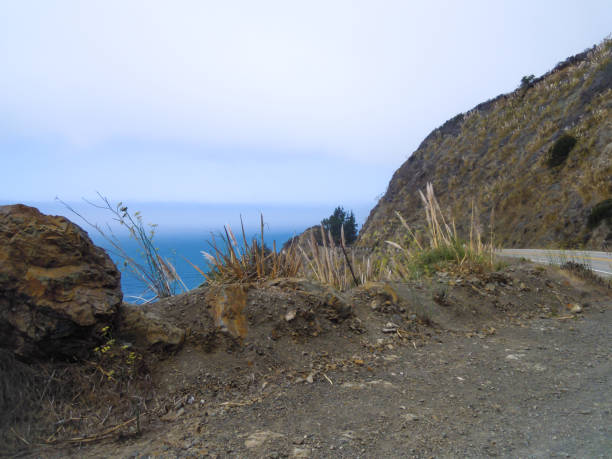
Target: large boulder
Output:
[(57, 289)]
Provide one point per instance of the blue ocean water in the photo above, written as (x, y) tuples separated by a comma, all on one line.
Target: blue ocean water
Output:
[(177, 247), (185, 229)]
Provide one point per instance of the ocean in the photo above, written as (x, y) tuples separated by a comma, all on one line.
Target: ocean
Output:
[(184, 229), (177, 248)]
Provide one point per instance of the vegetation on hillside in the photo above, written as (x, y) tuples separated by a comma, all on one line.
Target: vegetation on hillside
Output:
[(561, 150), (514, 156), (600, 212), (540, 158), (412, 256)]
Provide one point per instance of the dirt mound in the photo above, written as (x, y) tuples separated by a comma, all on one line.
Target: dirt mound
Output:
[(246, 345)]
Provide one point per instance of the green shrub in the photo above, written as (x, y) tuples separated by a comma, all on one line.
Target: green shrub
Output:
[(599, 212), (428, 260), (527, 81), (560, 150)]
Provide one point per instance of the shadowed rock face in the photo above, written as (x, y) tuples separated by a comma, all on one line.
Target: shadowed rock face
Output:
[(57, 289)]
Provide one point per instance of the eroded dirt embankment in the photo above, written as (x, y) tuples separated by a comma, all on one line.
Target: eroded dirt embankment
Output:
[(513, 363)]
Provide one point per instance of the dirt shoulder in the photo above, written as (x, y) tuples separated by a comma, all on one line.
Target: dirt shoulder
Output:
[(474, 366)]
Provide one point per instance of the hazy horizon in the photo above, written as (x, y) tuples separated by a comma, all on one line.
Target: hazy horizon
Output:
[(175, 218), (267, 102)]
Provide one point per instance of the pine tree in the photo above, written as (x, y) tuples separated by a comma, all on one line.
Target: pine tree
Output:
[(340, 218)]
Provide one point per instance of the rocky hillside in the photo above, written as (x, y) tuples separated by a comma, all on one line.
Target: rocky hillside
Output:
[(506, 157)]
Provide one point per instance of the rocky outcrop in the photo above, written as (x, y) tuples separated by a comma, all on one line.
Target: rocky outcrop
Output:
[(57, 289), (497, 157), (227, 304), (147, 331)]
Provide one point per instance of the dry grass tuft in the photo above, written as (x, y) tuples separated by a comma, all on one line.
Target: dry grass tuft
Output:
[(439, 246), (333, 265), (231, 262), (80, 402)]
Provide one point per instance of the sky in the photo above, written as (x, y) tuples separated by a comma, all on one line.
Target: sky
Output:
[(281, 103)]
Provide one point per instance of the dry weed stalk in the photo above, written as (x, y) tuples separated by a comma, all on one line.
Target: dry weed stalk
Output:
[(157, 274), (440, 234), (333, 265)]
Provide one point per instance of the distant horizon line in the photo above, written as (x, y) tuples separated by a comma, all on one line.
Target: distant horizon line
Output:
[(218, 203), (189, 217)]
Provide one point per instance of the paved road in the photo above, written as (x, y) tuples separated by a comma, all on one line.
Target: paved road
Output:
[(600, 262)]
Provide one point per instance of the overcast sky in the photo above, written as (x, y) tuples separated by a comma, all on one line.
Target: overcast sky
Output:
[(254, 101)]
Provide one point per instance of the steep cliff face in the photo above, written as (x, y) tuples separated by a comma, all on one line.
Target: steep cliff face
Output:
[(498, 157)]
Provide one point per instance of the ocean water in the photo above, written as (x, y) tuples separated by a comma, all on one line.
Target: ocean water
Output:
[(177, 247), (184, 229)]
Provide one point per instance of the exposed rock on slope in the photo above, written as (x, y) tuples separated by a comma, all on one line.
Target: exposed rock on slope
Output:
[(498, 155), (147, 331), (56, 286), (304, 238)]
